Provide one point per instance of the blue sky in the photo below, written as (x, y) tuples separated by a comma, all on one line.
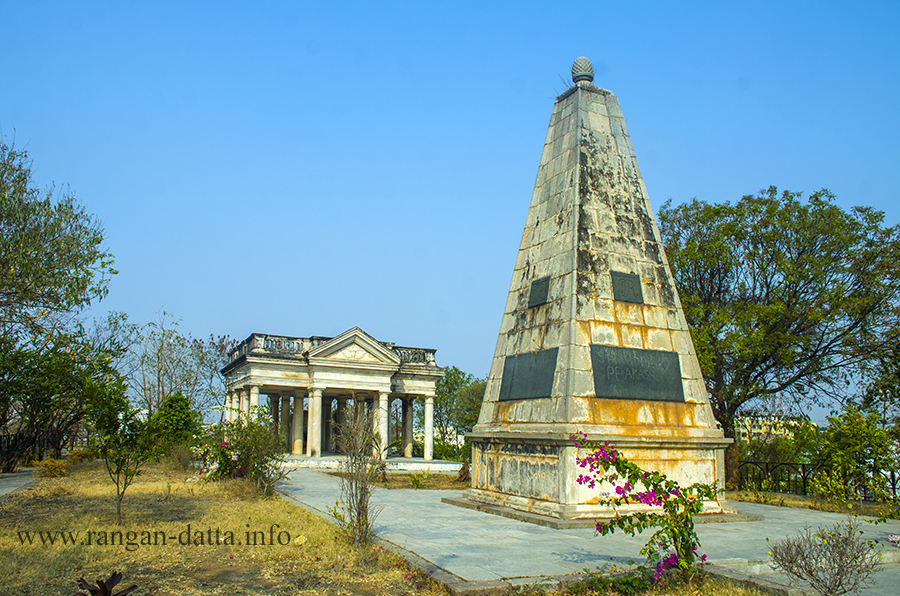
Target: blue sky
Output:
[(301, 168)]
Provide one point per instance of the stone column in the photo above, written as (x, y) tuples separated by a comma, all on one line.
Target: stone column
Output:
[(235, 405), (254, 400), (275, 409), (340, 419), (297, 426), (407, 427), (285, 426), (429, 427), (326, 423), (314, 432), (245, 401), (372, 408), (382, 418), (227, 407), (359, 404)]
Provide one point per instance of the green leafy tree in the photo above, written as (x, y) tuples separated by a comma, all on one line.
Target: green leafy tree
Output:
[(175, 423), (123, 443), (42, 393), (856, 451), (446, 396), (785, 298), (799, 445), (16, 435), (468, 405), (881, 394), (51, 258)]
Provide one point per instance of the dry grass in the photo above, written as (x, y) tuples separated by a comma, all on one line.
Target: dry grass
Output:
[(710, 587), (316, 559)]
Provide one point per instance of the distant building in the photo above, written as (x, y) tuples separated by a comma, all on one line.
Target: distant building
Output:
[(766, 427)]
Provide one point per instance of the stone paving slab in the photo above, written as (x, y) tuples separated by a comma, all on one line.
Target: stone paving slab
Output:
[(393, 463), (469, 547), (10, 483), (565, 524)]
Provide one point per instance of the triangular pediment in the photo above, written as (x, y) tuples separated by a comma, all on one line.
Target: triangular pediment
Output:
[(355, 345)]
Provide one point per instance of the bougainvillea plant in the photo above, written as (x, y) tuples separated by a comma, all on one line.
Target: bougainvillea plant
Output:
[(675, 544)]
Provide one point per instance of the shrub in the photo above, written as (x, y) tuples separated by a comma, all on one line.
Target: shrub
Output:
[(51, 468), (834, 561), (175, 422), (76, 456), (248, 447), (416, 481), (105, 588), (625, 582), (633, 485), (444, 451), (857, 451), (180, 457), (451, 452)]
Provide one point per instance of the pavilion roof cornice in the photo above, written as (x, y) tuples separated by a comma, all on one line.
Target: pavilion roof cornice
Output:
[(268, 346)]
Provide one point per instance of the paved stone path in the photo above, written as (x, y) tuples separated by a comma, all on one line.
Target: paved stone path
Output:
[(12, 482), (477, 547)]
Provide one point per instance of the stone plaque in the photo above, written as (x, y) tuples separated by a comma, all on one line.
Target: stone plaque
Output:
[(627, 287), (528, 376), (629, 373), (539, 290)]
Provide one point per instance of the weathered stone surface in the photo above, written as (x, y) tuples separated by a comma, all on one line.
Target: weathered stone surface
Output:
[(591, 240)]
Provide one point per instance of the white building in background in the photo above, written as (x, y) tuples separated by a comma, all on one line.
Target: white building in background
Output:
[(309, 382)]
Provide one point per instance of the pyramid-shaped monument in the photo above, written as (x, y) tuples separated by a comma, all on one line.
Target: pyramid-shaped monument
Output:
[(593, 336)]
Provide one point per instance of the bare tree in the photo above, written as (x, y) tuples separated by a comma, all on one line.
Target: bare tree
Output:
[(359, 443), (162, 362), (212, 356)]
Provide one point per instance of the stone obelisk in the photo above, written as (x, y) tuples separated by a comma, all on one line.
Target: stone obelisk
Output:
[(593, 337)]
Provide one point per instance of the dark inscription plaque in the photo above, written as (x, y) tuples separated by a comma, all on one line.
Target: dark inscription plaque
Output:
[(539, 290), (528, 376), (628, 373), (627, 287)]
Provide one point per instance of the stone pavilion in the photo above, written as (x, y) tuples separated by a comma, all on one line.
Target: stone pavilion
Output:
[(309, 382)]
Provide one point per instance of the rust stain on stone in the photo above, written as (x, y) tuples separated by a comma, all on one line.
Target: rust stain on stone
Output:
[(584, 332), (504, 410), (626, 312), (626, 412)]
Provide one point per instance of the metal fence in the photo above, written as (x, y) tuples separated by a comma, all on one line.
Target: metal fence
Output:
[(797, 478)]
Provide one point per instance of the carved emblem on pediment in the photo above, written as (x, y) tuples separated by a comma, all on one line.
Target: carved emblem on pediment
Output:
[(354, 352)]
